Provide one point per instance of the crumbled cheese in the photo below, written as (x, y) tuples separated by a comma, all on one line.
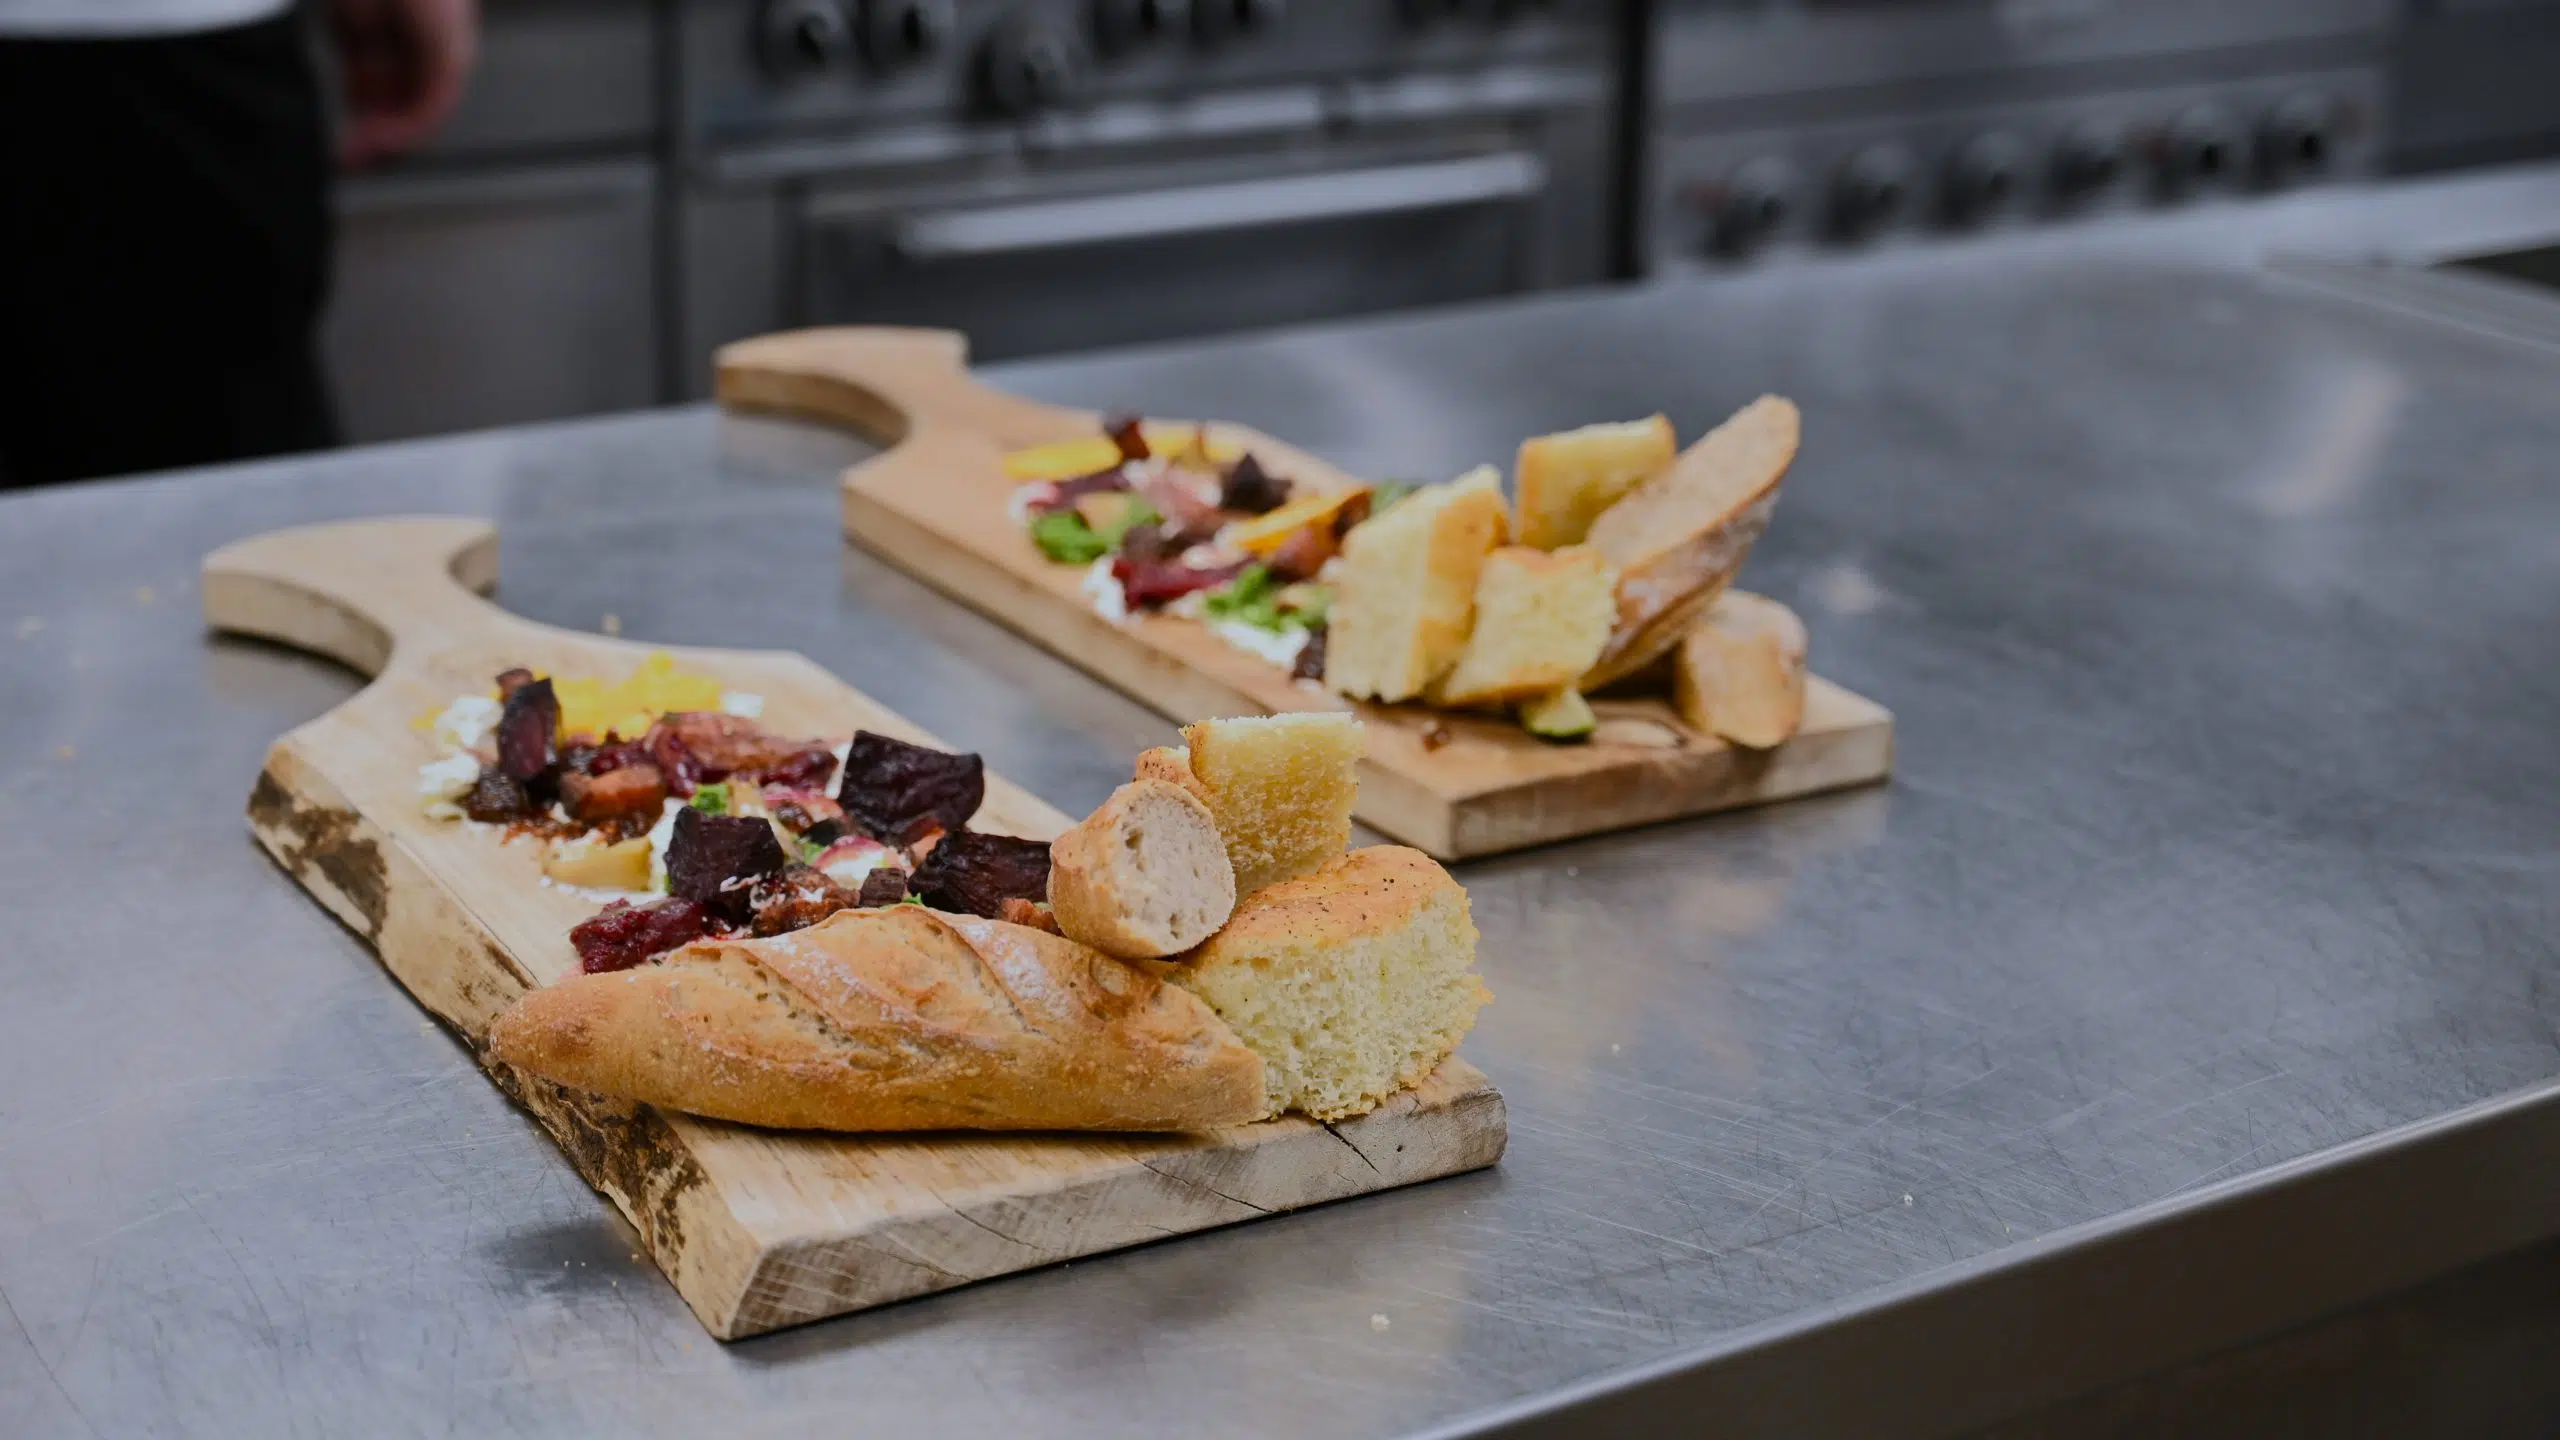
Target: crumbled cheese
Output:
[(467, 721), (741, 702), (850, 864), (444, 780), (660, 835), (1102, 590), (1018, 505), (1279, 647)]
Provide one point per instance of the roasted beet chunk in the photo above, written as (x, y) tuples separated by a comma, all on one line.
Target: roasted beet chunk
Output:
[(1065, 493), (884, 886), (623, 936), (510, 681), (623, 794), (715, 859), (698, 747), (528, 728), (974, 874), (1310, 663), (1250, 488), (1129, 433), (497, 797), (899, 793), (1146, 585), (804, 769), (796, 898)]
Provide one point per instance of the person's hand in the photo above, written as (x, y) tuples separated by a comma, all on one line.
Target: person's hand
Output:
[(404, 62)]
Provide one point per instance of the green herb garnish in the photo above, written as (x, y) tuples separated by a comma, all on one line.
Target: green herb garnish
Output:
[(1257, 598), (1065, 535), (711, 799), (1387, 494)]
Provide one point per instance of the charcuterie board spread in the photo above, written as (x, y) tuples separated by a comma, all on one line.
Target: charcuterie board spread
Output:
[(1561, 662), (631, 881)]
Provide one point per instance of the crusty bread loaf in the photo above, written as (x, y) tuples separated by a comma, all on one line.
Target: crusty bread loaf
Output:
[(1144, 876), (1404, 596), (1281, 788), (1678, 539), (1567, 479), (1739, 672), (1541, 619), (1172, 765), (1351, 983), (893, 1019)]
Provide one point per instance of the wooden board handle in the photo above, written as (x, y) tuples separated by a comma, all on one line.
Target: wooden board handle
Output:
[(356, 589), (886, 383)]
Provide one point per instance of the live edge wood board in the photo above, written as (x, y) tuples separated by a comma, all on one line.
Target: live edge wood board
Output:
[(758, 1229), (934, 505)]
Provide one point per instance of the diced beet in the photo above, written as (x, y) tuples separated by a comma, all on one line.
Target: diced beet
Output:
[(510, 681), (632, 791), (623, 935), (497, 797), (898, 793), (1248, 487), (824, 832), (1146, 585), (796, 898), (973, 873), (804, 769), (1129, 433), (528, 728), (715, 859), (884, 886), (1064, 494), (1310, 663), (615, 754)]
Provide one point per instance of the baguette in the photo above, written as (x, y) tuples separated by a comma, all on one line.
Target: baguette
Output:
[(1678, 540), (1144, 876), (900, 1018), (1739, 673), (1352, 982)]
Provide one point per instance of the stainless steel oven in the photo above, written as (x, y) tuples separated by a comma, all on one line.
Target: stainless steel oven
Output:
[(1324, 161)]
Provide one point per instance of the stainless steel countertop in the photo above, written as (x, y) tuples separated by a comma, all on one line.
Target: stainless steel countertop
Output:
[(2217, 613)]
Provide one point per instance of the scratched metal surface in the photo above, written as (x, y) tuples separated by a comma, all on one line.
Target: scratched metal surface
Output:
[(2217, 615)]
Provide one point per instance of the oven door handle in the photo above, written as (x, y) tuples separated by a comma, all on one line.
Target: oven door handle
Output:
[(1196, 210)]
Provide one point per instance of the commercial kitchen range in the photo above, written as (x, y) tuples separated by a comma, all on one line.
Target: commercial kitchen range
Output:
[(2169, 1048), (629, 185)]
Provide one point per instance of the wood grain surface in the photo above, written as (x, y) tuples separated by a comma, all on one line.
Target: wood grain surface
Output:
[(758, 1229), (934, 505)]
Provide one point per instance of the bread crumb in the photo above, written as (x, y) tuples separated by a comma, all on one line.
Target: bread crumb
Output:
[(611, 625), (65, 752), (1377, 1322), (145, 596)]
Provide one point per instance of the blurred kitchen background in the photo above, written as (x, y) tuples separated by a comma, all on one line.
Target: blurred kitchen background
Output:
[(629, 185)]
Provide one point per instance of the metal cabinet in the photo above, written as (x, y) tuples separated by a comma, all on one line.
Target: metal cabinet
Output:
[(493, 298)]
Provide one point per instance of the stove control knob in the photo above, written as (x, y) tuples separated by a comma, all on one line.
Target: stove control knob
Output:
[(898, 33), (1982, 176), (1870, 190), (2087, 161), (1216, 20), (1120, 26), (2298, 137), (802, 37), (1753, 204), (1026, 67), (2198, 149)]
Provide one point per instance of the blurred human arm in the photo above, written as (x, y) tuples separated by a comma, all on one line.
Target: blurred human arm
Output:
[(403, 64)]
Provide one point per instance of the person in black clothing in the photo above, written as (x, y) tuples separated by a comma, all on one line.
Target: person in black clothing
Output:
[(165, 221)]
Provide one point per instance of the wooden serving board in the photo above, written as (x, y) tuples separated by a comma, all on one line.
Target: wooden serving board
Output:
[(934, 505), (757, 1228)]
